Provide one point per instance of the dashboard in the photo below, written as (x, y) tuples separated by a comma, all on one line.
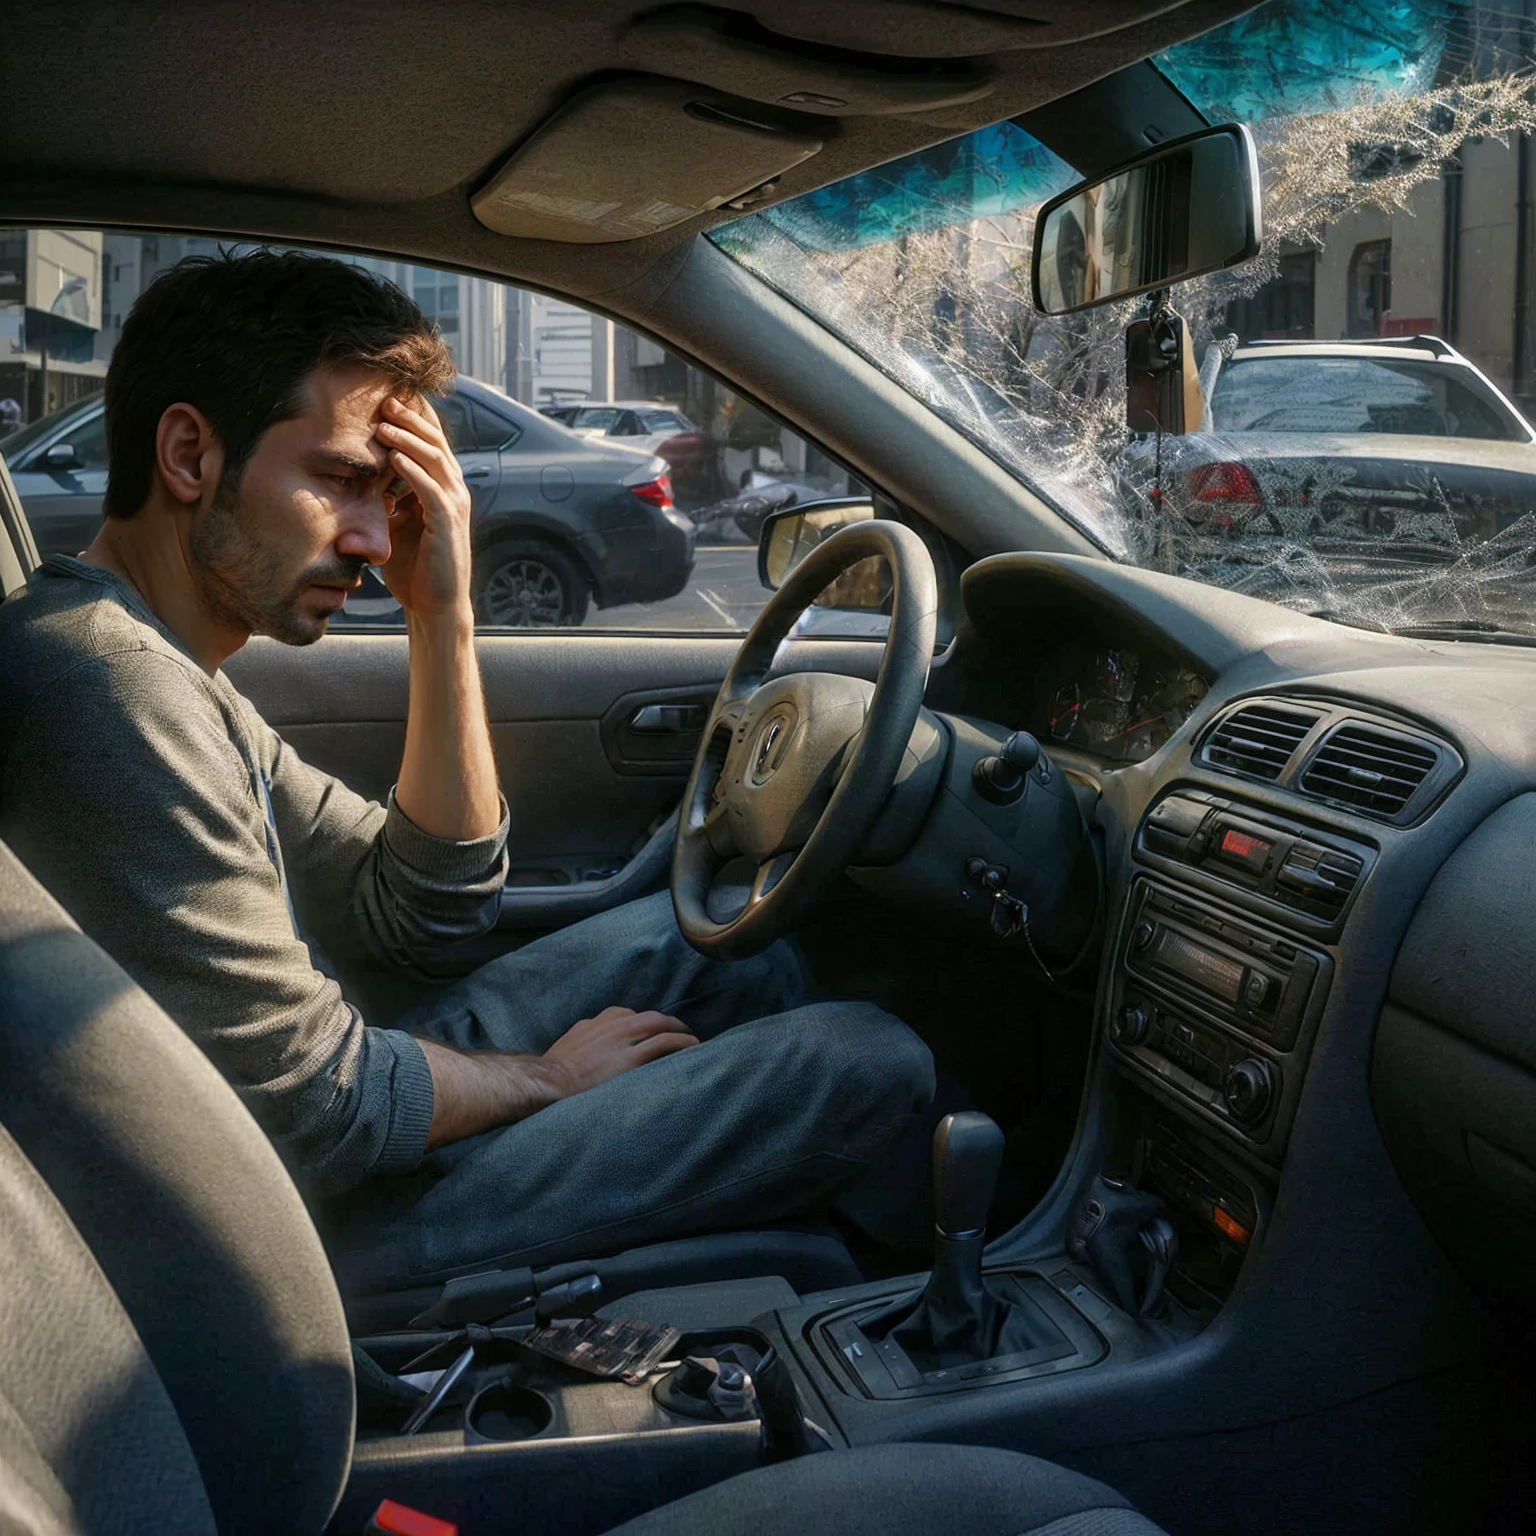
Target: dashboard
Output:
[(1394, 940)]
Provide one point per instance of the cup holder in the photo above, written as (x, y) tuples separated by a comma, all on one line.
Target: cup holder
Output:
[(504, 1411)]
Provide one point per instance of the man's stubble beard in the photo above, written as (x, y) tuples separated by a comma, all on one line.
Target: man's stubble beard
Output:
[(242, 581)]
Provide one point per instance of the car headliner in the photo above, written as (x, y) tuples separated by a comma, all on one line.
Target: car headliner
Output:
[(367, 126)]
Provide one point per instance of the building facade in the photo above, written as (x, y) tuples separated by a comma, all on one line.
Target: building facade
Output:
[(51, 301)]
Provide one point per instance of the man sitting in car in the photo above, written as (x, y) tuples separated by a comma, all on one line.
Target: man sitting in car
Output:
[(269, 439)]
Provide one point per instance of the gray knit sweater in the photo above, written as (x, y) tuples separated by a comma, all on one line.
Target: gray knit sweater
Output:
[(193, 845)]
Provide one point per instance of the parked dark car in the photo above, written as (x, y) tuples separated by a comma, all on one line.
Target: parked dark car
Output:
[(560, 521)]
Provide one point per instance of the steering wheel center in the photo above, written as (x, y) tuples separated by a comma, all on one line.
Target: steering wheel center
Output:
[(790, 756), (793, 768), (773, 743)]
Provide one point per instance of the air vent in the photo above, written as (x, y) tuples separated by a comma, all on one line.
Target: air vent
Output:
[(1368, 769), (1259, 740)]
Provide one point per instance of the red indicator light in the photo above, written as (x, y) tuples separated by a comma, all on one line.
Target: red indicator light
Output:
[(1241, 846)]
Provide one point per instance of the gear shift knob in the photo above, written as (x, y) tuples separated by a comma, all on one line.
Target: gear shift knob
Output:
[(967, 1156)]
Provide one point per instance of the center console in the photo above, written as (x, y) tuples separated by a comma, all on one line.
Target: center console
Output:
[(1223, 961)]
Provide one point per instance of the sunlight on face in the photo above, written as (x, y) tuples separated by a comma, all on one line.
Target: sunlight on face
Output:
[(278, 552)]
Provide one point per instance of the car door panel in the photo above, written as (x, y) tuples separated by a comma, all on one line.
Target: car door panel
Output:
[(584, 788)]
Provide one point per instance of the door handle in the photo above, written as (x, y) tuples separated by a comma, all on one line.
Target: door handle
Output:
[(477, 474), (668, 719)]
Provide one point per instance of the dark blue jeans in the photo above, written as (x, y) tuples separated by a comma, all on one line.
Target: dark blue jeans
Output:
[(783, 1104)]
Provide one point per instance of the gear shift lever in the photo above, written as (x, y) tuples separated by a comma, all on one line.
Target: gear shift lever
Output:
[(960, 1318), (967, 1155), (956, 1319)]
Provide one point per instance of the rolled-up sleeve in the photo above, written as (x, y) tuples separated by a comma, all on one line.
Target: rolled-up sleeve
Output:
[(426, 892), (367, 880)]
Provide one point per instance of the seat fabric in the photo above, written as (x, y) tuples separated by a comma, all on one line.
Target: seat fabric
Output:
[(89, 1440), (189, 1212), (902, 1490)]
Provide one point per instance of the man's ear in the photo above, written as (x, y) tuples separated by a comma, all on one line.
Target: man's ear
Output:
[(188, 454)]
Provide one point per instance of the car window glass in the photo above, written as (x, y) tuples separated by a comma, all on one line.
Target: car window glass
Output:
[(454, 416), (490, 430), (578, 531), (15, 444), (1347, 394), (89, 441)]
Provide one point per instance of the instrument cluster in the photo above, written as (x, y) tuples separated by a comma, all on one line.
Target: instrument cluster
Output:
[(1117, 702)]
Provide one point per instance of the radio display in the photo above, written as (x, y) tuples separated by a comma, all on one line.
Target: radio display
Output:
[(1214, 972), (1245, 848)]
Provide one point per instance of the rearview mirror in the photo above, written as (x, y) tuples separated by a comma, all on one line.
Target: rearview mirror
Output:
[(1184, 209), (788, 536), (61, 456)]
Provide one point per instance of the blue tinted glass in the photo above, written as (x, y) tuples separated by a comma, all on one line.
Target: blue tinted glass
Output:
[(992, 171), (1293, 56)]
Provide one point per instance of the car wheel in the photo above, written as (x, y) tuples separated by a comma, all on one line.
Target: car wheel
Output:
[(525, 584)]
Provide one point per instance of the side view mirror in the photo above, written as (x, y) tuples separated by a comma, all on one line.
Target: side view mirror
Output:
[(61, 456), (789, 535), (1186, 208)]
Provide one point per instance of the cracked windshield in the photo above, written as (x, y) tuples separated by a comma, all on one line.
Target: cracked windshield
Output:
[(1361, 447)]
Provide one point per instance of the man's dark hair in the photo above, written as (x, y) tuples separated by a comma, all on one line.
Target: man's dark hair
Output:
[(237, 336)]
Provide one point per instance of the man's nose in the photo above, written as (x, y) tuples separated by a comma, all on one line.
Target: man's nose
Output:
[(365, 535)]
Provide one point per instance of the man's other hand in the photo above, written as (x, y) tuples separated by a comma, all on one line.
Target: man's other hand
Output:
[(617, 1040), (474, 1091), (428, 571)]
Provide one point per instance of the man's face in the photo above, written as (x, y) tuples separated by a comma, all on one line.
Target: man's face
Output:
[(277, 554)]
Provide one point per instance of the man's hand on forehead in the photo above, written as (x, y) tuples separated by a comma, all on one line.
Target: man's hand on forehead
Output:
[(416, 414), (430, 564)]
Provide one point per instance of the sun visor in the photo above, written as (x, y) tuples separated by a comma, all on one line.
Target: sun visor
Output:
[(630, 157)]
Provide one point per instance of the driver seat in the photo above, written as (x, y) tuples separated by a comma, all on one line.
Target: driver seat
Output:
[(173, 1355), (807, 1260)]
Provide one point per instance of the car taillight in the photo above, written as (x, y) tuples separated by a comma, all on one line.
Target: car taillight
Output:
[(1225, 482), (657, 492)]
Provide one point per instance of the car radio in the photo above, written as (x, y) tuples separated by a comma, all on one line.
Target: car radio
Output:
[(1219, 1071), (1215, 1007), (1256, 981)]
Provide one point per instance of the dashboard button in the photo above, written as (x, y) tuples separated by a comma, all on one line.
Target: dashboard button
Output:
[(1248, 1090), (1131, 1024)]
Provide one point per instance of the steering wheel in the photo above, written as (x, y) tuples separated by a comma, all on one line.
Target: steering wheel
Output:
[(792, 771)]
